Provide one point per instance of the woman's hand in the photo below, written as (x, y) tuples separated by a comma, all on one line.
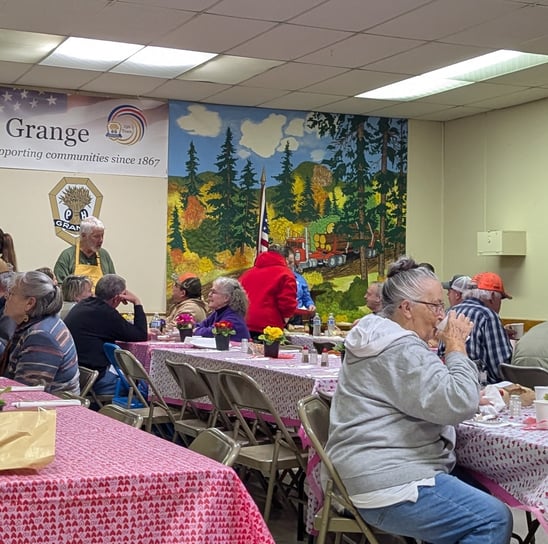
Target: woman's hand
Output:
[(456, 332)]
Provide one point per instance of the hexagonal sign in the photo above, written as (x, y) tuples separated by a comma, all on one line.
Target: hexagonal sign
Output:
[(72, 200)]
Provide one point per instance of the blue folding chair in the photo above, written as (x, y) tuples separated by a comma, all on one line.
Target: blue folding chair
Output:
[(121, 393)]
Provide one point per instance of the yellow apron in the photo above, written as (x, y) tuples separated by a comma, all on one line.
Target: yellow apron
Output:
[(93, 272)]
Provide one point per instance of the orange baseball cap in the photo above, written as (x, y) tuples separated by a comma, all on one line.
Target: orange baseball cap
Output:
[(490, 282), (185, 276)]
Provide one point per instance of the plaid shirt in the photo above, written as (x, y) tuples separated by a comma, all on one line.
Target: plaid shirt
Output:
[(488, 343)]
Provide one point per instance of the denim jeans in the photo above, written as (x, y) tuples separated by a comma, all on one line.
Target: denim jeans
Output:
[(450, 512), (106, 385)]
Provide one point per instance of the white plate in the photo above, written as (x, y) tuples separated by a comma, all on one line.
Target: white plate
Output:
[(201, 342)]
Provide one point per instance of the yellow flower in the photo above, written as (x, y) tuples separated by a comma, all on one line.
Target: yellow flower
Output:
[(272, 334)]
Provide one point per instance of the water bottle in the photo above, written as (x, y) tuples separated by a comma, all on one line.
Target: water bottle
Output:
[(514, 407), (331, 325), (156, 322), (317, 325)]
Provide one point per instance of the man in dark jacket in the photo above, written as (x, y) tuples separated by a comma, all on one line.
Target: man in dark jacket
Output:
[(95, 320)]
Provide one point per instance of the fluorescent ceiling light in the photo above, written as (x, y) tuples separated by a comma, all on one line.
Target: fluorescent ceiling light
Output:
[(162, 62), (86, 54), (457, 75)]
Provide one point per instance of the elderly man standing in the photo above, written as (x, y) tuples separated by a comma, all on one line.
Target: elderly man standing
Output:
[(488, 344), (95, 320), (87, 257)]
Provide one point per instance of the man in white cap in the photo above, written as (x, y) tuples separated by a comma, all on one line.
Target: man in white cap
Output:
[(456, 286)]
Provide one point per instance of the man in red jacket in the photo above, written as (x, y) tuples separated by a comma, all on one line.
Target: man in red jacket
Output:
[(271, 289)]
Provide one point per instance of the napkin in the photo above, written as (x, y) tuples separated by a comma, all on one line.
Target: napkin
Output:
[(496, 402)]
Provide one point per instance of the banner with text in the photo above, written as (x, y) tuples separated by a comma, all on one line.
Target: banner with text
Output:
[(42, 130)]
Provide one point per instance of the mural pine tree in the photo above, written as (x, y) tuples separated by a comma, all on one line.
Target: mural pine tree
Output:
[(226, 189), (283, 199), (174, 236), (245, 227)]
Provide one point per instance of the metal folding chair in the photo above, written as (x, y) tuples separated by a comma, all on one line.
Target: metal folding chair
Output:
[(215, 444)]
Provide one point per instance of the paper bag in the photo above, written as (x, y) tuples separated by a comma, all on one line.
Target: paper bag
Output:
[(27, 438), (526, 394)]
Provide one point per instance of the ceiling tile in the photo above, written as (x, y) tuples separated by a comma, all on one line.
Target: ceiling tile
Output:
[(356, 106), (300, 101), (450, 114), (426, 58), (245, 96), (122, 84), (356, 15), (359, 50), (186, 90), (56, 78), (215, 34), (12, 71), (536, 76), (279, 10), (354, 82), (519, 97), (18, 46), (443, 17), (229, 69), (288, 42), (293, 76), (408, 109)]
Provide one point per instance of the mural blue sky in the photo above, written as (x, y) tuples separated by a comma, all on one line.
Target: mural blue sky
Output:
[(258, 134)]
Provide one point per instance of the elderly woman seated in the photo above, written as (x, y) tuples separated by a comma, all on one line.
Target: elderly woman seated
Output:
[(393, 414), (228, 302), (41, 351), (74, 289)]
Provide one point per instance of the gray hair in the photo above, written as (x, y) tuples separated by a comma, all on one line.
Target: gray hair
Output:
[(405, 281), (73, 287), (109, 286), (481, 294), (237, 296), (90, 223), (6, 279), (47, 295)]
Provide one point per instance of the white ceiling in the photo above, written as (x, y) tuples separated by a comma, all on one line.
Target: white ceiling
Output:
[(294, 54)]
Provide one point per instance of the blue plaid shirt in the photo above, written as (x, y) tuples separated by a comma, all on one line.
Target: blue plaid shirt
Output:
[(488, 343)]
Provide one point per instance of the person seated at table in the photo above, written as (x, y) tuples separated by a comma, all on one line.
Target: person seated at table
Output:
[(95, 320), (272, 290), (489, 344), (304, 298), (228, 302), (7, 325), (49, 273), (392, 418), (74, 289), (42, 350), (187, 298), (532, 348)]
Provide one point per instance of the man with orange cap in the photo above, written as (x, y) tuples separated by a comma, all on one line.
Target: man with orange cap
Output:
[(187, 298), (488, 344)]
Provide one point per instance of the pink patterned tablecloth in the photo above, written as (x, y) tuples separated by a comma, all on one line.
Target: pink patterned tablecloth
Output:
[(512, 458), (143, 350), (112, 483), (285, 381)]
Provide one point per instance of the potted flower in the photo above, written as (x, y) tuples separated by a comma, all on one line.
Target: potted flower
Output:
[(2, 401), (272, 337), (222, 331), (185, 323)]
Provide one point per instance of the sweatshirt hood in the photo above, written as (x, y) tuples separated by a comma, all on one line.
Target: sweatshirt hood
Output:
[(372, 335), (270, 258)]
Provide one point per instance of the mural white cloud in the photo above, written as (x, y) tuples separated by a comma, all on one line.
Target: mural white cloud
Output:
[(200, 121), (263, 138), (317, 155), (295, 128)]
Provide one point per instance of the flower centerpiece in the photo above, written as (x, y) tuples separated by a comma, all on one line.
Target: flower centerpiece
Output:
[(222, 331), (272, 337), (2, 401), (185, 323)]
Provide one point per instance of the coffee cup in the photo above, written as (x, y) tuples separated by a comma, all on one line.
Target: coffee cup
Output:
[(541, 410), (517, 328), (541, 392)]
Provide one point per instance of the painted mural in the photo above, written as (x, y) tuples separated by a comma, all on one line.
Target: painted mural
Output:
[(335, 191)]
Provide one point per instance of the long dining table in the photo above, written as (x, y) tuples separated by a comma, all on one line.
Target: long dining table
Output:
[(112, 483)]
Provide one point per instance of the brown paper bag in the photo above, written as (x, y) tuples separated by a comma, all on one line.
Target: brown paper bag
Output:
[(526, 394), (27, 438)]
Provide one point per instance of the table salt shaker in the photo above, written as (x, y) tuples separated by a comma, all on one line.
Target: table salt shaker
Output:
[(514, 406), (313, 356), (325, 358), (244, 345), (305, 355)]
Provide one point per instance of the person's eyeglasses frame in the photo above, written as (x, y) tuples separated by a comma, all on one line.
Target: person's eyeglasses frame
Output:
[(435, 307)]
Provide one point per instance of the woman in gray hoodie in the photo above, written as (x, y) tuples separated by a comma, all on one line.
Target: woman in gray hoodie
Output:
[(392, 418)]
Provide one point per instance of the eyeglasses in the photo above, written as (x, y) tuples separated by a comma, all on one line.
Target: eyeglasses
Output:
[(214, 292), (436, 307)]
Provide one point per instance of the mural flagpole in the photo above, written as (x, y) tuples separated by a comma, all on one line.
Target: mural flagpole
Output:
[(263, 234)]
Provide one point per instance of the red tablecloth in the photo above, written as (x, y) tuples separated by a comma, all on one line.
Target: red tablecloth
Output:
[(112, 483)]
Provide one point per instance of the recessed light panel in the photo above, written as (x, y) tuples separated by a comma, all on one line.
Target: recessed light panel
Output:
[(457, 75)]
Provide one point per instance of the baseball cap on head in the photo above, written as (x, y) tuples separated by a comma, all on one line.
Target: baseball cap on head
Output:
[(187, 275), (462, 283), (489, 281), (449, 284)]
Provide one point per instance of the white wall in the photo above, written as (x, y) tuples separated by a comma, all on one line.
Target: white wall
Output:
[(133, 210)]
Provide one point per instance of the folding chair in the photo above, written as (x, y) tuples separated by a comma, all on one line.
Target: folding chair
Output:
[(122, 414), (216, 445), (528, 376), (191, 420), (155, 410), (282, 456), (314, 415), (85, 402), (87, 379)]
